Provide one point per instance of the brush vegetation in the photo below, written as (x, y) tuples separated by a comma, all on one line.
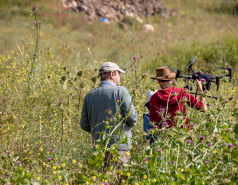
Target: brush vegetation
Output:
[(46, 70)]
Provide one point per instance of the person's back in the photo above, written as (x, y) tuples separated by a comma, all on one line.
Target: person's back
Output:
[(102, 105), (170, 100)]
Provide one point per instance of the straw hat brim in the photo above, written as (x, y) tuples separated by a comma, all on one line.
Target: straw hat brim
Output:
[(169, 77)]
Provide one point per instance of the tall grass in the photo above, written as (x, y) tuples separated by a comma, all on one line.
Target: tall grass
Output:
[(41, 140), (193, 24)]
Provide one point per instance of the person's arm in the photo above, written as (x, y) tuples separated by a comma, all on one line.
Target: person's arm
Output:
[(202, 99), (128, 108), (193, 102), (84, 122)]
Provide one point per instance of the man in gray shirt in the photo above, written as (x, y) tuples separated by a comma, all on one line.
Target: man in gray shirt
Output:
[(103, 104)]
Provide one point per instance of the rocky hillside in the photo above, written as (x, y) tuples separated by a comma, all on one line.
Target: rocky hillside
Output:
[(116, 10)]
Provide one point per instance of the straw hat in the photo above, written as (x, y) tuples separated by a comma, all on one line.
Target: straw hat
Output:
[(163, 73)]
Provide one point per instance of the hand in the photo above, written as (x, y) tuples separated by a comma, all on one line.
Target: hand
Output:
[(199, 86), (147, 141)]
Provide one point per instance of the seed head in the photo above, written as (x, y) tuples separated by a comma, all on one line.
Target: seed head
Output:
[(63, 78), (108, 111), (80, 73), (161, 109), (164, 123), (94, 79), (159, 150), (188, 141)]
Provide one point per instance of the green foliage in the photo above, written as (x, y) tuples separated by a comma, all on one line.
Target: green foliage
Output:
[(212, 53)]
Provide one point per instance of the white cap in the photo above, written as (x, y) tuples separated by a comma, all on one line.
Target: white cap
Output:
[(149, 94), (110, 66)]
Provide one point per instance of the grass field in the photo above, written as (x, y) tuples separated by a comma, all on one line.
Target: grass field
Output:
[(42, 94)]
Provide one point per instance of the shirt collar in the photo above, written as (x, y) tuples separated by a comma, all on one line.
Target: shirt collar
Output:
[(106, 83)]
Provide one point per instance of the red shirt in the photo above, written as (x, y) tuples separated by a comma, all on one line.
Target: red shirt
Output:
[(164, 98)]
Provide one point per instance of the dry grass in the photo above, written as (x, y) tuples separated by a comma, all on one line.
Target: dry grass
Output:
[(196, 21)]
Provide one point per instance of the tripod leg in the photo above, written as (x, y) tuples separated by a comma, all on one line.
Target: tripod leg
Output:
[(196, 93)]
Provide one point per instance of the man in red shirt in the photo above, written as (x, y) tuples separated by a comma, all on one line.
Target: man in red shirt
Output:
[(170, 100)]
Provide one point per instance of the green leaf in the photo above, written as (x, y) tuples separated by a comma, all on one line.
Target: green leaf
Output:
[(225, 137), (95, 161), (82, 179), (180, 176), (197, 174), (235, 113), (236, 129)]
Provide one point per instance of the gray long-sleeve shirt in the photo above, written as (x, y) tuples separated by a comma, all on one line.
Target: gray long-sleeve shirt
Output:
[(94, 116)]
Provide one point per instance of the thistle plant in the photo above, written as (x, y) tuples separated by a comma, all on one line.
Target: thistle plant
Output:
[(35, 56)]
